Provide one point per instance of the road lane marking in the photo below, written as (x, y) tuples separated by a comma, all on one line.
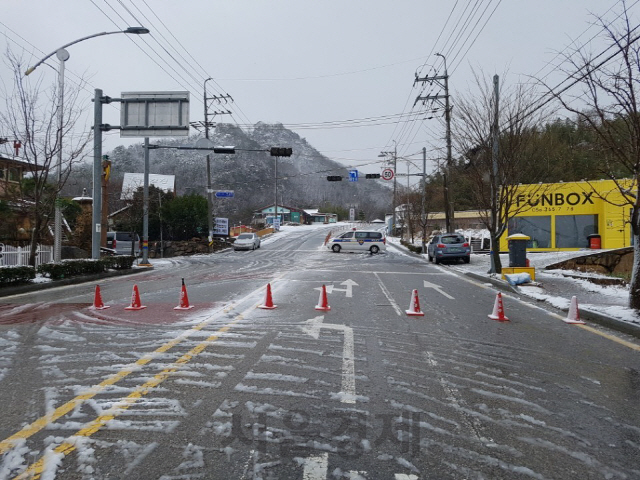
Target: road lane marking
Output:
[(330, 287), (35, 470), (315, 468), (437, 288), (632, 346), (388, 295), (69, 406), (312, 327), (349, 284)]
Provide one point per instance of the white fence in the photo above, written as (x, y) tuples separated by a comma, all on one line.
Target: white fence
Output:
[(20, 255)]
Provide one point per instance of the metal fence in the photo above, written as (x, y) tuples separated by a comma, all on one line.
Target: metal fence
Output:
[(20, 255)]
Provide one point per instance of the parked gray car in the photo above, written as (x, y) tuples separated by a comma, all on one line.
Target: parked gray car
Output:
[(247, 241), (449, 246), (122, 242)]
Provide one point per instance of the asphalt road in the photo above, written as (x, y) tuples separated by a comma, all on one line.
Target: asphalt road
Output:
[(226, 390)]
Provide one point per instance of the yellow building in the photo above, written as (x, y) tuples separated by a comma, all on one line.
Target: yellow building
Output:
[(561, 216)]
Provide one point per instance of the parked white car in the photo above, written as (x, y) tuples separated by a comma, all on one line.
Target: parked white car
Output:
[(247, 241)]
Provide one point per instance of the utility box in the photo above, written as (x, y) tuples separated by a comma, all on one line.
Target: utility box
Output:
[(518, 249), (594, 240)]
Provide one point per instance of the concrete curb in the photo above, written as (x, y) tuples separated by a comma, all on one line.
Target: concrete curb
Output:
[(496, 282), (34, 287), (609, 322)]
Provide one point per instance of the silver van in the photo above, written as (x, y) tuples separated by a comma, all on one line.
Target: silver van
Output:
[(122, 242)]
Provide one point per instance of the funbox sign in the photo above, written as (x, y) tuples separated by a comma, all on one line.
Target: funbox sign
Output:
[(556, 199)]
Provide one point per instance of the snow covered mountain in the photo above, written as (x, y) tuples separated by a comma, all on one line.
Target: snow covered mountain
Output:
[(249, 172)]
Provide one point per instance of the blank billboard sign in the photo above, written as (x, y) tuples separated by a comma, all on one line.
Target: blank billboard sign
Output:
[(154, 114)]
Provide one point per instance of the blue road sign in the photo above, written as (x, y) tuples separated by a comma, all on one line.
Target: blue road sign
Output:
[(224, 193), (353, 175)]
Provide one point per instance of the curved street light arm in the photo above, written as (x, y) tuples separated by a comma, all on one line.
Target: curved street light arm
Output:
[(131, 30), (445, 61)]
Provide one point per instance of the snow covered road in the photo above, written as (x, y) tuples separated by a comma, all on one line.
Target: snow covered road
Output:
[(227, 390)]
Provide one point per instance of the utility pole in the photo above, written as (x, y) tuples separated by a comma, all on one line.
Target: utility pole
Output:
[(443, 82), (206, 101), (423, 215)]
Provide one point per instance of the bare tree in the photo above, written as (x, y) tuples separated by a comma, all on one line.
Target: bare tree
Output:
[(607, 102), (30, 115), (418, 209), (521, 157)]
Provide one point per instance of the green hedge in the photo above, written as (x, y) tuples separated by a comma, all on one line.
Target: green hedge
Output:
[(67, 268), (118, 262), (413, 248), (70, 268), (13, 275), (73, 268)]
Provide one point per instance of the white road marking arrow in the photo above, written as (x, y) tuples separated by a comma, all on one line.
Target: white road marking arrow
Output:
[(349, 284), (349, 290), (312, 327), (328, 288), (438, 289), (315, 467)]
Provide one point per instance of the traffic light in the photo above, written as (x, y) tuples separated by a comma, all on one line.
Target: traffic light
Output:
[(372, 175), (106, 167), (281, 152), (334, 178)]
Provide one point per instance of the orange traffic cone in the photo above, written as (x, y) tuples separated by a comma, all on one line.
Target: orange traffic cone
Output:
[(135, 300), (414, 305), (268, 301), (574, 313), (184, 299), (97, 300), (323, 302), (498, 310)]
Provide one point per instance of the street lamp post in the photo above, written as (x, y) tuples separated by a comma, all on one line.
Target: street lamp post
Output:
[(63, 55)]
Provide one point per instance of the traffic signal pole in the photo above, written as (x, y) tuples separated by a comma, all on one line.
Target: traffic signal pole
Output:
[(277, 152)]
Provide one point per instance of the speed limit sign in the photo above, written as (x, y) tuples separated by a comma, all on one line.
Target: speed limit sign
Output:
[(387, 174)]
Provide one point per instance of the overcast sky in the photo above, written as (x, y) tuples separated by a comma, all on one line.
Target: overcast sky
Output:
[(339, 73)]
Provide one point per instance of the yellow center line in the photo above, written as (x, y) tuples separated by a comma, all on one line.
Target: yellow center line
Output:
[(633, 346), (62, 410), (35, 470)]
